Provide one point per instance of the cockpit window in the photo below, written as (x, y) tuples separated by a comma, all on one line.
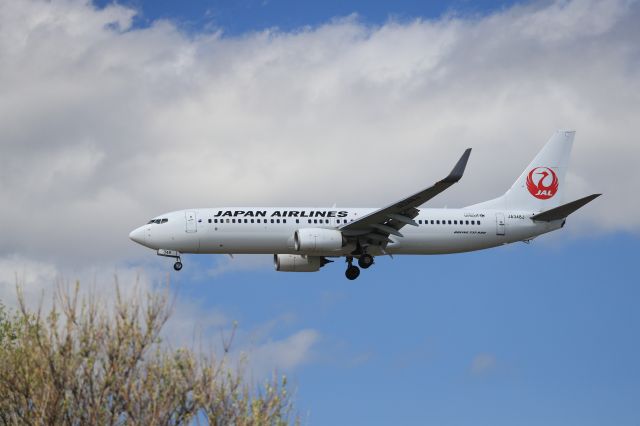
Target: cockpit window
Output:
[(163, 220)]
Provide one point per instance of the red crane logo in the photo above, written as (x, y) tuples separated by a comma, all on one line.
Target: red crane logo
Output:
[(542, 183)]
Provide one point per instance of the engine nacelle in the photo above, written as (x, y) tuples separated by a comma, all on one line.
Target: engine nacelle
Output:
[(297, 263), (315, 240)]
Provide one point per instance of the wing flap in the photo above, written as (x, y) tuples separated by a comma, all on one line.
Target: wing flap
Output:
[(387, 229), (402, 219)]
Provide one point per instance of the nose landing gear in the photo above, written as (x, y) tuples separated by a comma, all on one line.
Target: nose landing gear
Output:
[(174, 254)]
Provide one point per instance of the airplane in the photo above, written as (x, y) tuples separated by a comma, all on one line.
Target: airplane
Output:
[(304, 239)]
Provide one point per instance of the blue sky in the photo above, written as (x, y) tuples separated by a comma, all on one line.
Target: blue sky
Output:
[(552, 326), (115, 124), (237, 17)]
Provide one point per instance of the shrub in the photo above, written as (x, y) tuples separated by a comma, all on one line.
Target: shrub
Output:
[(86, 363)]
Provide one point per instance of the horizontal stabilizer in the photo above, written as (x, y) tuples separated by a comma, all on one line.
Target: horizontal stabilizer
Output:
[(564, 210)]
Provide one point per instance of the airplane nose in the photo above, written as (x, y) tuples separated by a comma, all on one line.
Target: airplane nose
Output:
[(137, 235)]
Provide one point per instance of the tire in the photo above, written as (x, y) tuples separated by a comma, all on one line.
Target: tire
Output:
[(177, 266), (365, 261), (352, 272)]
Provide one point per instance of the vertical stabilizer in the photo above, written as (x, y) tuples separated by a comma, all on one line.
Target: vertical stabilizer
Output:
[(541, 185)]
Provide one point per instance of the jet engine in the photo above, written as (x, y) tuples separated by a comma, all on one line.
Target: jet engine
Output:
[(298, 263), (312, 240)]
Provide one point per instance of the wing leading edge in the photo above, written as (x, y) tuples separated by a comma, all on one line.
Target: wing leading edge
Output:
[(378, 225)]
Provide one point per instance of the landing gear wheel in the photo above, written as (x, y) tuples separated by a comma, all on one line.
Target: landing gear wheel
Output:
[(352, 272), (177, 266), (365, 261)]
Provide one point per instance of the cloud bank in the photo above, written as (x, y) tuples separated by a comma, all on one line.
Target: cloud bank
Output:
[(105, 125)]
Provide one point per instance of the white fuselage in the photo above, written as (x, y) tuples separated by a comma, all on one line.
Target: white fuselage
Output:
[(241, 230)]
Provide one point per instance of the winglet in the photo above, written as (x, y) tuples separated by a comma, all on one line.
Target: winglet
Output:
[(458, 170), (564, 210)]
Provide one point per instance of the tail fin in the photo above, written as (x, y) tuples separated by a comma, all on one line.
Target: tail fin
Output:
[(541, 185)]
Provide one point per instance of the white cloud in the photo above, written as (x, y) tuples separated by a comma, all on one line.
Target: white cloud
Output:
[(226, 264), (285, 354), (105, 125)]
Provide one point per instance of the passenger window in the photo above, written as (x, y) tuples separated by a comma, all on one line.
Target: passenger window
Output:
[(438, 222), (449, 222), (233, 221), (478, 222), (466, 222), (284, 220), (278, 220), (309, 220), (272, 221), (209, 220), (297, 220), (455, 222), (315, 220), (432, 221), (473, 222)]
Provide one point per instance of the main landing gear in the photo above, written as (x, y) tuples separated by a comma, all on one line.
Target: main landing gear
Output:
[(174, 254), (352, 271), (364, 261)]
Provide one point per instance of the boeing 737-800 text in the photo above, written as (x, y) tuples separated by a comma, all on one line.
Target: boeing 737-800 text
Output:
[(305, 239)]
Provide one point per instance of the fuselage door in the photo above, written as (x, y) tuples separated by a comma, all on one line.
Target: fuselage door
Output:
[(191, 221), (500, 225)]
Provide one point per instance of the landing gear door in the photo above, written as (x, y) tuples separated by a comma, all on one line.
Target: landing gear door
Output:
[(500, 225), (190, 217)]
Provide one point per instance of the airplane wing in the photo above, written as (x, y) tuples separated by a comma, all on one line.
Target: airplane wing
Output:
[(564, 210), (378, 225)]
